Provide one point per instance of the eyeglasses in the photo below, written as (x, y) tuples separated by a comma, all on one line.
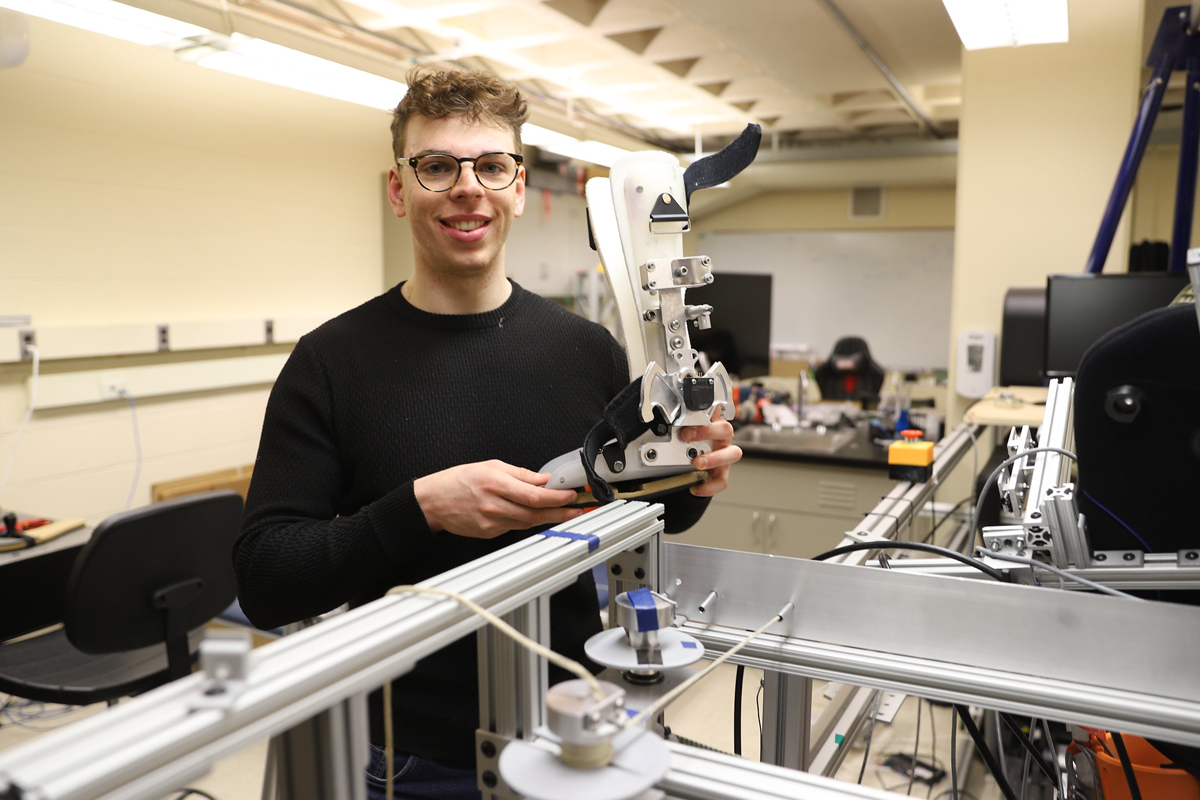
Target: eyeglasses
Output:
[(438, 172)]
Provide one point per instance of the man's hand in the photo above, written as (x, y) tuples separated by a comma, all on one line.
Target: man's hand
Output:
[(486, 499), (724, 453)]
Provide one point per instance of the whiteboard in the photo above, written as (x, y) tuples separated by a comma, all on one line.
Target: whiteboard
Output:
[(892, 288)]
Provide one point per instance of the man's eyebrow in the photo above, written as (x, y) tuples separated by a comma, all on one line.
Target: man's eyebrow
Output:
[(430, 153)]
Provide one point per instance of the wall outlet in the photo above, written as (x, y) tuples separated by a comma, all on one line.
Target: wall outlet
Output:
[(111, 388)]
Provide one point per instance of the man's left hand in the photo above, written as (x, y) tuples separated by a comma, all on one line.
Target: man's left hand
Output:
[(724, 452)]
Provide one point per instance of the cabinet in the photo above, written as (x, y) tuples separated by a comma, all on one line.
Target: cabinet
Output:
[(788, 508)]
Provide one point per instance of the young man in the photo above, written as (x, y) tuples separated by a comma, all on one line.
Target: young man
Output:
[(400, 438)]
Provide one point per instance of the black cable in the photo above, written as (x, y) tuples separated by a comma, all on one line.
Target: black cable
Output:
[(988, 757), (188, 790), (1127, 766), (1016, 731), (870, 733), (921, 546), (912, 774), (953, 754), (737, 709), (996, 474), (932, 743), (949, 515)]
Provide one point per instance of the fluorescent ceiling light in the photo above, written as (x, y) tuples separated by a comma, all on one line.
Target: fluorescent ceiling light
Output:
[(1008, 23), (264, 61), (570, 147), (109, 18)]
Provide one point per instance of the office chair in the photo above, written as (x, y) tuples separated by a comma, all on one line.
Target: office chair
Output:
[(145, 579), (850, 373)]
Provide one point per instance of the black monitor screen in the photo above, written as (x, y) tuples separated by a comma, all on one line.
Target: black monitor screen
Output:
[(740, 337), (1082, 308)]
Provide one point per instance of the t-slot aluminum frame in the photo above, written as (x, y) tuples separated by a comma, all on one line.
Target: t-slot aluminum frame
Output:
[(152, 744)]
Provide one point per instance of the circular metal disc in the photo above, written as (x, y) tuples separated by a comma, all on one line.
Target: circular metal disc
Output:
[(611, 648)]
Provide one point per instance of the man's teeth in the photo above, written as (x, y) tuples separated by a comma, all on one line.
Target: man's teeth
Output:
[(466, 226)]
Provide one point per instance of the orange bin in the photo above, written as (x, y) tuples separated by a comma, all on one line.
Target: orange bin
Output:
[(1154, 782)]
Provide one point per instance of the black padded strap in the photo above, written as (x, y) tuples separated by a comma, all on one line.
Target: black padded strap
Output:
[(721, 166), (622, 420)]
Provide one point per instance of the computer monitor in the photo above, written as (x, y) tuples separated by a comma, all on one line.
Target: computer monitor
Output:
[(1082, 308), (740, 336)]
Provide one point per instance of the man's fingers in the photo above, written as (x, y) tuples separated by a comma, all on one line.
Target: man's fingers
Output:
[(532, 496), (718, 458)]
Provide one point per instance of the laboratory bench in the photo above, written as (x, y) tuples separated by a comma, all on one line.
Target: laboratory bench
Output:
[(797, 501)]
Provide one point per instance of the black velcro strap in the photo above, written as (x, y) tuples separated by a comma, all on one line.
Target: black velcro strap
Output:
[(622, 420), (721, 166)]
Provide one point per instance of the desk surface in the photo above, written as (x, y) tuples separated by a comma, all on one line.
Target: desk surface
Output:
[(76, 538), (1009, 406)]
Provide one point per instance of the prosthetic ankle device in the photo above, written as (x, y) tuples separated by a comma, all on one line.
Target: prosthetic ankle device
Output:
[(638, 217)]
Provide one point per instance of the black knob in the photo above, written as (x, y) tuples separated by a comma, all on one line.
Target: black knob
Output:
[(1124, 403)]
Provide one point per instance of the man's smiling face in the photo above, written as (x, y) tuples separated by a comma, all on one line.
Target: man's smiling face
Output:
[(459, 233)]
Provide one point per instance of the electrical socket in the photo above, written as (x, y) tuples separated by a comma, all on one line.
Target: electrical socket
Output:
[(111, 388)]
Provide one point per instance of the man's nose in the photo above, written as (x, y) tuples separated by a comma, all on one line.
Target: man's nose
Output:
[(468, 181)]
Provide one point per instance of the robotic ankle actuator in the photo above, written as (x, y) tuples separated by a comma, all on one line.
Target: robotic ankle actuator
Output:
[(637, 217)]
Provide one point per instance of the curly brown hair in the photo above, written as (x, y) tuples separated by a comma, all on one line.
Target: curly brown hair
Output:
[(458, 93)]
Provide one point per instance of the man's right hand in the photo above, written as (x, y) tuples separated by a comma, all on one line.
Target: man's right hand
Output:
[(486, 499)]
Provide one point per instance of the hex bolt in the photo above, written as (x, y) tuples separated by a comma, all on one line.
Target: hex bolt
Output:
[(639, 573), (651, 454), (616, 569), (1101, 557), (674, 324), (488, 749), (1129, 557), (489, 779)]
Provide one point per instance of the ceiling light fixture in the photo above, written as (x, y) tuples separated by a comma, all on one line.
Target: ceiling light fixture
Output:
[(264, 61), (1008, 23)]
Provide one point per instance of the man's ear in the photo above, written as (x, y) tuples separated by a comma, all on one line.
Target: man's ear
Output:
[(395, 192), (519, 186)]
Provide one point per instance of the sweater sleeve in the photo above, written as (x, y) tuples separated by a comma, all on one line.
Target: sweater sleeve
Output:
[(682, 509), (300, 553)]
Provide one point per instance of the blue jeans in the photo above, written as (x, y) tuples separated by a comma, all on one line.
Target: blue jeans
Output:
[(417, 778)]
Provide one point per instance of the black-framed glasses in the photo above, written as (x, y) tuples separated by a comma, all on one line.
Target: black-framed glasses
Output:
[(438, 172)]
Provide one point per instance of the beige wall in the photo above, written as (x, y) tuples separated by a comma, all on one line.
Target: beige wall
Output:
[(1154, 196), (1042, 132), (136, 188), (829, 209)]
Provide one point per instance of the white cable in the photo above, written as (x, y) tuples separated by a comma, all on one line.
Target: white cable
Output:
[(670, 696), (33, 392), (981, 552), (137, 444)]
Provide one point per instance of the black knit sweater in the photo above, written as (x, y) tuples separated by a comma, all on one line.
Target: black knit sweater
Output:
[(385, 394)]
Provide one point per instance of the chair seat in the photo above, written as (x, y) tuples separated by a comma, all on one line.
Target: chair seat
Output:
[(51, 669)]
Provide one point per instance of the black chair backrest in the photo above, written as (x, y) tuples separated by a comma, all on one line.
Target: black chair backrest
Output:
[(850, 357), (136, 554), (1137, 433)]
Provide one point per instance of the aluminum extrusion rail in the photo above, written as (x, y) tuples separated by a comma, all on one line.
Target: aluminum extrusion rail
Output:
[(1161, 571), (144, 748), (706, 775), (1167, 718), (896, 511)]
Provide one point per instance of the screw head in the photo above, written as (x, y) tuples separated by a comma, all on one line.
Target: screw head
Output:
[(677, 343), (618, 466), (652, 284), (692, 452), (706, 261), (651, 454), (683, 270), (1129, 557), (490, 780), (488, 749), (640, 549), (616, 569), (1036, 515), (1101, 557), (639, 573), (1191, 555), (674, 324), (708, 278)]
